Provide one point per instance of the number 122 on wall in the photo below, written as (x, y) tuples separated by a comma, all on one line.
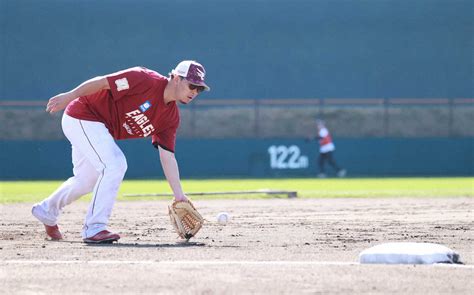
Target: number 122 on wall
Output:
[(287, 157)]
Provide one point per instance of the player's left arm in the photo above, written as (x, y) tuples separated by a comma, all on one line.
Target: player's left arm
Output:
[(60, 101), (171, 170)]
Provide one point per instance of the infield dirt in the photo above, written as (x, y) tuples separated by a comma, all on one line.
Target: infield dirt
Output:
[(270, 246)]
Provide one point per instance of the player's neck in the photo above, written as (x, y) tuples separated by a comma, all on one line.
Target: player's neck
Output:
[(169, 93)]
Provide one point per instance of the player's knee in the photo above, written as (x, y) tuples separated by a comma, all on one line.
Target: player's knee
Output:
[(118, 167), (115, 167), (122, 165)]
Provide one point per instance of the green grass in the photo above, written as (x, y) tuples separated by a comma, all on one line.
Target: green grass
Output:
[(33, 191)]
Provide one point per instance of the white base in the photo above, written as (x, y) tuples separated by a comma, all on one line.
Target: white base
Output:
[(409, 253)]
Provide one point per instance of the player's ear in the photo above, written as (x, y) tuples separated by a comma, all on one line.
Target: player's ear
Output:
[(176, 78)]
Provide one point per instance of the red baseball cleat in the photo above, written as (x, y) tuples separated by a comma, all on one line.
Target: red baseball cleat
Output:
[(53, 232), (103, 237)]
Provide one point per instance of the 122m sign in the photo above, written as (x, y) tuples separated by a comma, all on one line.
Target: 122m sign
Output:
[(287, 157)]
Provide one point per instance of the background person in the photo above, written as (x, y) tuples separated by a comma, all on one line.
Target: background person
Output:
[(326, 151)]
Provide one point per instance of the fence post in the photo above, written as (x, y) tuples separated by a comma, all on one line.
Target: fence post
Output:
[(451, 116), (257, 118), (385, 117), (321, 109)]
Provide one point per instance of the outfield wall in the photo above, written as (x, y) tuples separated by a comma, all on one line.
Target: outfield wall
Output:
[(212, 158)]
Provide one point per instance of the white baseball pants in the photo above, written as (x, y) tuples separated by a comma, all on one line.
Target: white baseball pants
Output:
[(99, 167)]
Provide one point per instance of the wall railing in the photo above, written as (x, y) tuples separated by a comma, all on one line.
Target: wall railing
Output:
[(280, 118)]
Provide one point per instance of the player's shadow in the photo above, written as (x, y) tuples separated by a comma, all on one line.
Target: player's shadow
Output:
[(181, 244), (137, 245)]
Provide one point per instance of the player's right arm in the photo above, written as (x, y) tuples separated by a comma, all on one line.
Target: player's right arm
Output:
[(171, 170), (60, 101)]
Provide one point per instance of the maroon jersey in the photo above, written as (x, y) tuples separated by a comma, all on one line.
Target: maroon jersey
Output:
[(133, 107)]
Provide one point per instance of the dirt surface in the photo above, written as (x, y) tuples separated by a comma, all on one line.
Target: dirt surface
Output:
[(270, 246)]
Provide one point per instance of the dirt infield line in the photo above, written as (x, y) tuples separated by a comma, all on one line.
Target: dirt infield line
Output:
[(207, 262), (183, 262)]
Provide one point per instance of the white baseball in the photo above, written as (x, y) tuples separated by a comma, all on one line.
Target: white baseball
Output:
[(223, 217)]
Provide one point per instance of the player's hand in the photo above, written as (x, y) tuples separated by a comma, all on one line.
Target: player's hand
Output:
[(59, 102), (179, 198)]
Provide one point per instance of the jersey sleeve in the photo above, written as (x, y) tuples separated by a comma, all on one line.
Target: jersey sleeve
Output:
[(128, 82), (166, 140)]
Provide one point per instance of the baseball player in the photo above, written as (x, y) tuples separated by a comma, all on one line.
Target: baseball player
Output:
[(326, 149), (132, 103)]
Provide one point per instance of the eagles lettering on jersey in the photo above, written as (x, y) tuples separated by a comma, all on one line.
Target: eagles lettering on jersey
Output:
[(138, 123)]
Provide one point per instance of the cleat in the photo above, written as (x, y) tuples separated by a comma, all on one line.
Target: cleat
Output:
[(342, 173), (53, 232), (103, 237)]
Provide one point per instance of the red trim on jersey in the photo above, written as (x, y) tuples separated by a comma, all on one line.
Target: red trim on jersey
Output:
[(325, 140)]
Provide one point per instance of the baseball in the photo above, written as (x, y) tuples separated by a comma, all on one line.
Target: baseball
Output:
[(223, 217)]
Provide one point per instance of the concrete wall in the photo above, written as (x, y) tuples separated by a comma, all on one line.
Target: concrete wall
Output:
[(253, 158)]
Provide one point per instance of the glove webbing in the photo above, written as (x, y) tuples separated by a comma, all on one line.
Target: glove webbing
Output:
[(189, 223)]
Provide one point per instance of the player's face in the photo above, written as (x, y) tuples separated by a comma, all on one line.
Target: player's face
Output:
[(187, 91)]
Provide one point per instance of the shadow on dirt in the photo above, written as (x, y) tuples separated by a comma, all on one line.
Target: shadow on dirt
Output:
[(137, 245)]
